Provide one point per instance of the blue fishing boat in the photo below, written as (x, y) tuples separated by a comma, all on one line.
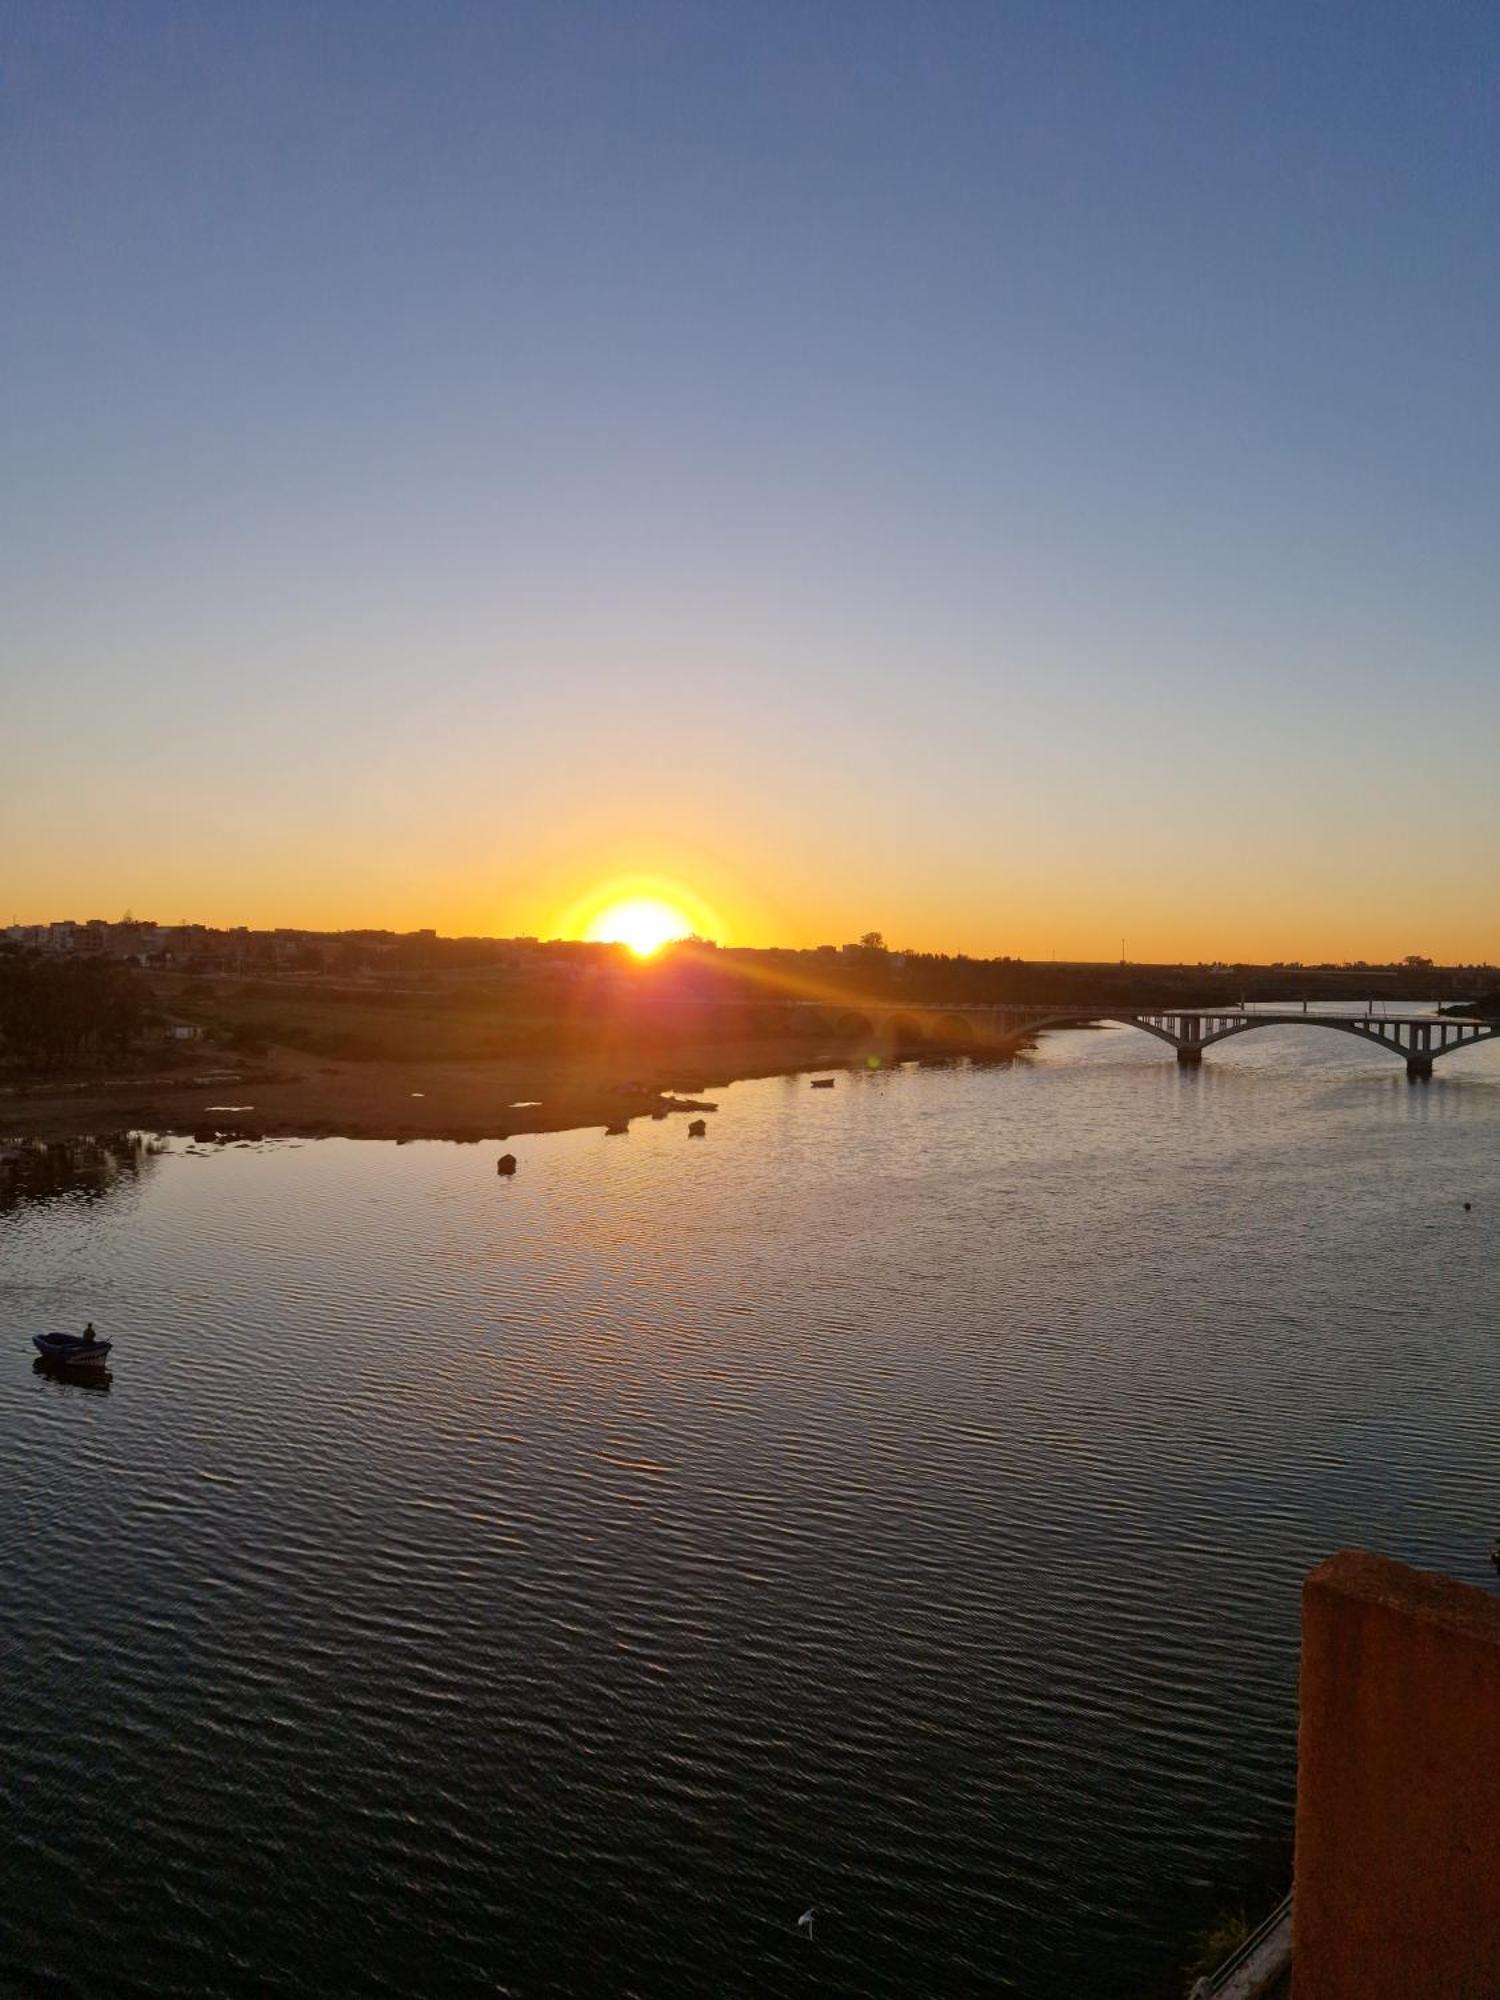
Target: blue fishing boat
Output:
[(71, 1350)]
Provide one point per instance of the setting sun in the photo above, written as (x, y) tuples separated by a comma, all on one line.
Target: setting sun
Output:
[(642, 912), (642, 922)]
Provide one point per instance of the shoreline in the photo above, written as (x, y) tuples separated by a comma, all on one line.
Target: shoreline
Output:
[(291, 1095)]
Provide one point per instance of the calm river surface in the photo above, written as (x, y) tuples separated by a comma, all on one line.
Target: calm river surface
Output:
[(895, 1504)]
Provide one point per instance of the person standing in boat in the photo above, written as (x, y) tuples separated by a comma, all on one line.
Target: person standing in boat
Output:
[(88, 1334)]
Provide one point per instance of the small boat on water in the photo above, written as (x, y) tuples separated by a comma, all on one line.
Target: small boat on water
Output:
[(71, 1350)]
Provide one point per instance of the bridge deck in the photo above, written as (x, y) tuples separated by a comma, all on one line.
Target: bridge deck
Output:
[(1104, 1010), (1315, 1013), (1420, 1038)]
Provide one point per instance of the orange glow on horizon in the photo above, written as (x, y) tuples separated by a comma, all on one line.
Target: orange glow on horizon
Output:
[(641, 912), (642, 923)]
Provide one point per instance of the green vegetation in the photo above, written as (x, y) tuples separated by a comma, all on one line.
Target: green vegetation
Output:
[(1485, 1007), (359, 1024), (465, 1018), (54, 1012), (1224, 1935)]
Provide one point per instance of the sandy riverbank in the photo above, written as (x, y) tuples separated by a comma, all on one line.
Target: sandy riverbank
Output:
[(293, 1094)]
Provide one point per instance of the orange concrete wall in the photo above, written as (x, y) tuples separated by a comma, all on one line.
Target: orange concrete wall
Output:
[(1397, 1893)]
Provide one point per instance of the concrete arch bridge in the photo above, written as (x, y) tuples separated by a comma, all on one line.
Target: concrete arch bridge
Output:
[(1419, 1039)]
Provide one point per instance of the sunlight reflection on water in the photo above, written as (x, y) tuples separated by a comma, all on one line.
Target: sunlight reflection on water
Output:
[(896, 1505)]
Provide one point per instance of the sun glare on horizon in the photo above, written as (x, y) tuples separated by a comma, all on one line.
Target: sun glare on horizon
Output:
[(643, 923), (641, 911)]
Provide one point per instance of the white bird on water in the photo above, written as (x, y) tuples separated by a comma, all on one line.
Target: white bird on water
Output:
[(805, 1921)]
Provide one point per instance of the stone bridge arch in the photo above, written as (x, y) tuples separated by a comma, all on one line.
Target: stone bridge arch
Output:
[(909, 1031)]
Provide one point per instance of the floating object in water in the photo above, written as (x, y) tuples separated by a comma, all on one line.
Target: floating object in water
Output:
[(698, 1129), (506, 1164), (805, 1921), (822, 1083), (71, 1350), (1467, 1206)]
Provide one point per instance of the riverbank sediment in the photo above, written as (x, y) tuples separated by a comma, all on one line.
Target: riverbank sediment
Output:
[(294, 1095)]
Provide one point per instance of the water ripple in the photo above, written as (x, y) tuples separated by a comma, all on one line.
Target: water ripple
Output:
[(898, 1507)]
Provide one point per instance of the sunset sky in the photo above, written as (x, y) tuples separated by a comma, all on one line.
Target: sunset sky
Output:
[(1019, 476)]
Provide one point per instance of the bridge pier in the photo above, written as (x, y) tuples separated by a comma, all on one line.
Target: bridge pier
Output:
[(1189, 1057), (1419, 1069)]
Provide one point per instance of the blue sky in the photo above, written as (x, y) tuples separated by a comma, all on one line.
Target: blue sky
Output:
[(1013, 475)]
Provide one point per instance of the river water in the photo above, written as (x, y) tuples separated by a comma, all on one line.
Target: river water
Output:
[(894, 1504)]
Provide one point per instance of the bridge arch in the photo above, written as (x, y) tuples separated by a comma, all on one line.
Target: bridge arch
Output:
[(1383, 1032), (1468, 1042), (908, 1031), (1084, 1020), (813, 1020), (1355, 1028)]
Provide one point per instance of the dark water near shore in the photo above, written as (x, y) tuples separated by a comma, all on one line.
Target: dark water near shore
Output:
[(894, 1504)]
